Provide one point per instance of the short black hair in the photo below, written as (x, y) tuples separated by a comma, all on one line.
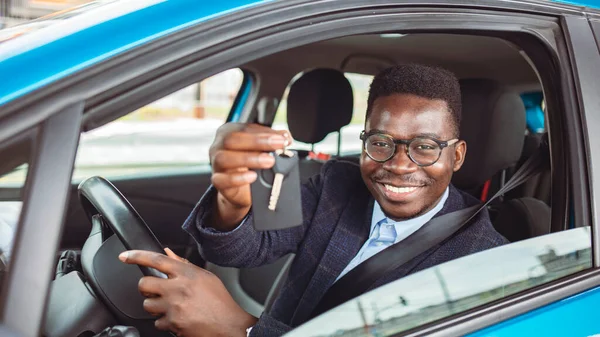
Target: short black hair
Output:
[(424, 81)]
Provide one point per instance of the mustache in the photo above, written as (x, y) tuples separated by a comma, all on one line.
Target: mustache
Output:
[(409, 179)]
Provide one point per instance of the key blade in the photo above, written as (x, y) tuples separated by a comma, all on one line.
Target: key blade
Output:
[(275, 191)]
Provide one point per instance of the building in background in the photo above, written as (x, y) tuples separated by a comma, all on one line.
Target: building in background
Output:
[(13, 12)]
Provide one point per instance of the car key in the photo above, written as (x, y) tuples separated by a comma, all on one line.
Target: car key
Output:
[(285, 199), (283, 165)]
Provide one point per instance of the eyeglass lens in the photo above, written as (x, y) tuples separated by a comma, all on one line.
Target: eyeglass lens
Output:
[(422, 151)]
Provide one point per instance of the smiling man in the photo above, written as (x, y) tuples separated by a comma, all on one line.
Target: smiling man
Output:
[(411, 147)]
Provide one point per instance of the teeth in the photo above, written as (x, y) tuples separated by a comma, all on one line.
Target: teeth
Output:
[(399, 189)]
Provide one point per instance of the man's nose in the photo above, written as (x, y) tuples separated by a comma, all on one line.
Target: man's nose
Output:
[(400, 163)]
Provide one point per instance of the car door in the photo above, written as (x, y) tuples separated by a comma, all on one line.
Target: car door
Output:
[(148, 72)]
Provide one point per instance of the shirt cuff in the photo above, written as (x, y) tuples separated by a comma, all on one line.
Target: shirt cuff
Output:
[(213, 230)]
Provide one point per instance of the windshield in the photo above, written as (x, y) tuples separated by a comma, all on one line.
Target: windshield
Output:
[(456, 286)]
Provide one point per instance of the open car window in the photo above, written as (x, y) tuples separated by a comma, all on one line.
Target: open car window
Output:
[(170, 134), (456, 286)]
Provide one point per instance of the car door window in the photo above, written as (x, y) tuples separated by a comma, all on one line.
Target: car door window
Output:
[(457, 286), (350, 143), (170, 134), (12, 185)]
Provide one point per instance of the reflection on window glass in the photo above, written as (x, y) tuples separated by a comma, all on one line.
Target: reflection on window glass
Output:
[(172, 133), (456, 286), (350, 143)]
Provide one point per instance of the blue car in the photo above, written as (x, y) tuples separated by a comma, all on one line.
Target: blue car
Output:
[(134, 91)]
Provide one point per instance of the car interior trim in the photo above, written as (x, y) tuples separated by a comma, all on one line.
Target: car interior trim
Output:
[(585, 58)]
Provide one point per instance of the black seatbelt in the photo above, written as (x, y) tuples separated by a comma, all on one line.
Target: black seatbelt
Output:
[(358, 280)]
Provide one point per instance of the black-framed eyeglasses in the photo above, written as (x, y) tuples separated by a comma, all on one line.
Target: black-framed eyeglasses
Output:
[(423, 151)]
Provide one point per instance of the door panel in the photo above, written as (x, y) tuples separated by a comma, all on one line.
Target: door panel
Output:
[(552, 319)]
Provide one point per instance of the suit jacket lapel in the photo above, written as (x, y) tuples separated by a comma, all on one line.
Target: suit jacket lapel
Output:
[(351, 232)]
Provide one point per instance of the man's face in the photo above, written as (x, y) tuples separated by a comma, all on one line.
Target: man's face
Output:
[(405, 116)]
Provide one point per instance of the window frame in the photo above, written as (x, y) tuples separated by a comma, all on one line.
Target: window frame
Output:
[(240, 104), (586, 58), (144, 74), (46, 192)]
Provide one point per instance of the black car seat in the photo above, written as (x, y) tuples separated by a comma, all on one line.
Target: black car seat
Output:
[(319, 102), (493, 125), (538, 186)]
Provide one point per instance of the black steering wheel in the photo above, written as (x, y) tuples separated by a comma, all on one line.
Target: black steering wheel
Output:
[(100, 196), (114, 282)]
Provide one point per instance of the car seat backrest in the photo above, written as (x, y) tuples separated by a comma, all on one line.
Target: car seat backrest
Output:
[(493, 125), (522, 218), (538, 186), (319, 102)]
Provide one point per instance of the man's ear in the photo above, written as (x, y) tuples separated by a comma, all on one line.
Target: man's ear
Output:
[(460, 151)]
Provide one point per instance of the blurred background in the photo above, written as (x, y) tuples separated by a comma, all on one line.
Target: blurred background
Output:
[(13, 12)]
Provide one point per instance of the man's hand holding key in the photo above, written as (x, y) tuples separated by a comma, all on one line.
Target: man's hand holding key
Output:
[(192, 301), (237, 149)]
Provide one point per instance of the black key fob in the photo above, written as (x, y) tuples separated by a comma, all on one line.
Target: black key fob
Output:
[(272, 210)]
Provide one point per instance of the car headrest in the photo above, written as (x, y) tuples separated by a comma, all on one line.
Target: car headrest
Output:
[(493, 125), (319, 102)]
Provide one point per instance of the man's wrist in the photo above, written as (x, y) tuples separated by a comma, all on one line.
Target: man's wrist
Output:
[(226, 217), (249, 324)]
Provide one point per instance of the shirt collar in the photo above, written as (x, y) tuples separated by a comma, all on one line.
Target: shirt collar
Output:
[(378, 214)]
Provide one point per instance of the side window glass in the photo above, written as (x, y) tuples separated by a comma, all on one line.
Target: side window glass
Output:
[(534, 111), (350, 143), (170, 134), (13, 177), (456, 286)]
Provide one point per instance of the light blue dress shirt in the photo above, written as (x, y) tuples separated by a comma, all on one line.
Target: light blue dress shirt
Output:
[(385, 232)]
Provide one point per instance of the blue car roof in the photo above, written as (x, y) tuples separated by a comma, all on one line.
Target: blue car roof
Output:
[(585, 3), (74, 39)]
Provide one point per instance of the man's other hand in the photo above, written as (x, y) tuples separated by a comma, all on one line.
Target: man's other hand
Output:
[(236, 151), (192, 301)]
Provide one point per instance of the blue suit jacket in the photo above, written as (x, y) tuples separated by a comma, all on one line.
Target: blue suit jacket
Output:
[(337, 209)]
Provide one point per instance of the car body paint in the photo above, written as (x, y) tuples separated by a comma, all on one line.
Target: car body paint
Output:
[(127, 26), (585, 3), (577, 314)]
